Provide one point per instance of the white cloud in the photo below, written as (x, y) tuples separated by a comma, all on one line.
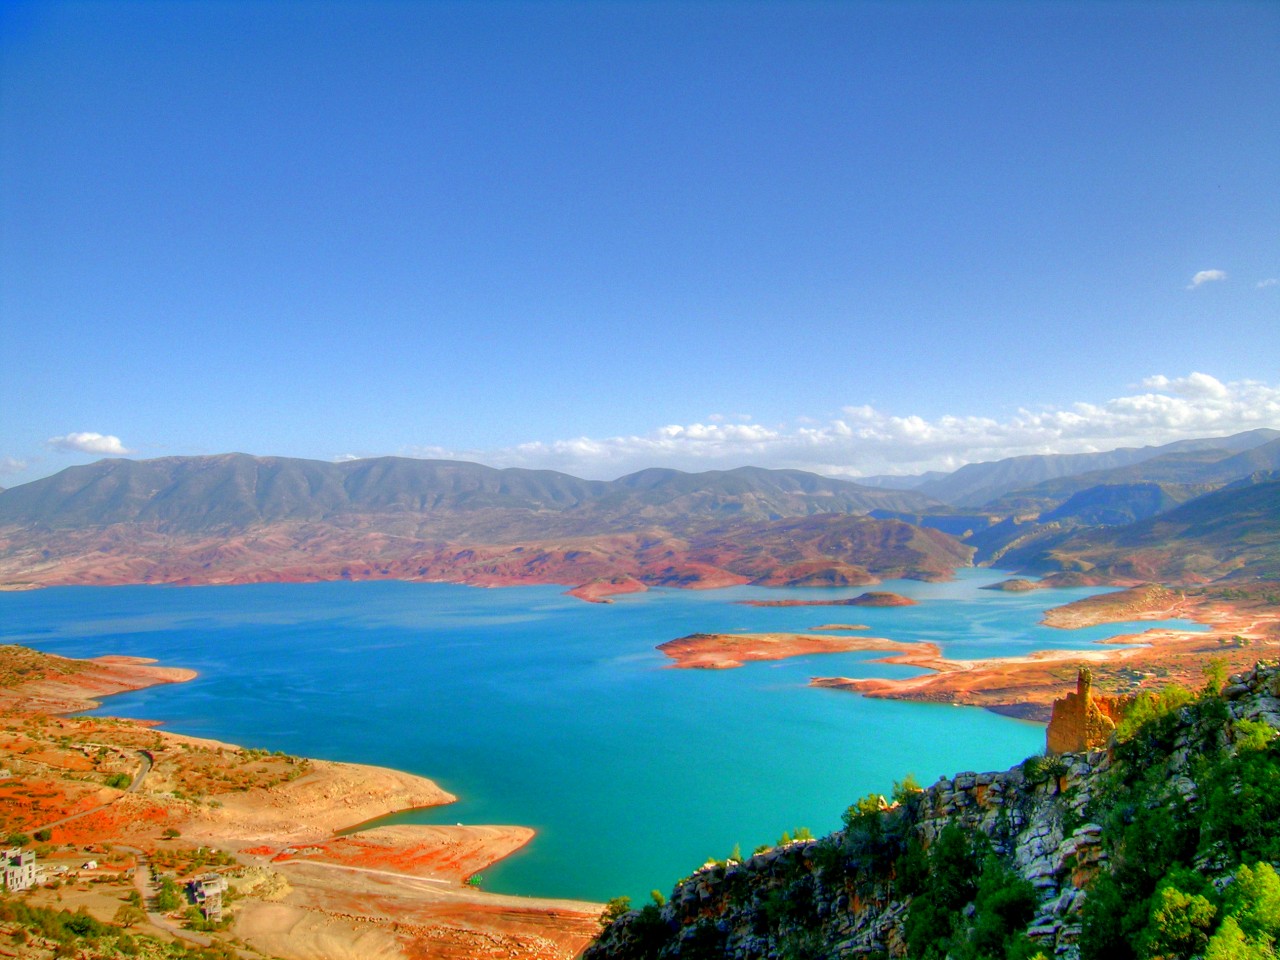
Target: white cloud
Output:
[(10, 465), (90, 443), (1206, 276), (1194, 385), (862, 440), (1269, 282)]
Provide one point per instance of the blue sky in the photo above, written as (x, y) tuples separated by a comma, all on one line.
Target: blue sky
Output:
[(850, 237)]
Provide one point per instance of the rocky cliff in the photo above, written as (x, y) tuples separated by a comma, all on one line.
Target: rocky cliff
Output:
[(1069, 856)]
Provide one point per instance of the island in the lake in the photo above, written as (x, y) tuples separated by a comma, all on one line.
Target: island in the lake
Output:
[(721, 651), (872, 598)]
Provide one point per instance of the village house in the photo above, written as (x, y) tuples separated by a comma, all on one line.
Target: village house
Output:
[(20, 871), (207, 892)]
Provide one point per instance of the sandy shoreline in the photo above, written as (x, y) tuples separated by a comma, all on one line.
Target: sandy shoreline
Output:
[(393, 892)]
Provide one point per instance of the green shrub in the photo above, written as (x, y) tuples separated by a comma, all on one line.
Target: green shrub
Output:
[(1253, 735), (649, 929), (1253, 901), (615, 909), (1151, 706), (1038, 768), (169, 896), (951, 882)]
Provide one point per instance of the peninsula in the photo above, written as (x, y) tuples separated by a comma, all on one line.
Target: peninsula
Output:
[(283, 831), (1243, 628)]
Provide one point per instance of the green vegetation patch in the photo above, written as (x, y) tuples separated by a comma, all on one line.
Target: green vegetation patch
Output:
[(1191, 816)]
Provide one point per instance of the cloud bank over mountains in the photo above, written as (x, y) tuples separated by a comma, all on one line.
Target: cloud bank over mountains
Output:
[(864, 441), (857, 441)]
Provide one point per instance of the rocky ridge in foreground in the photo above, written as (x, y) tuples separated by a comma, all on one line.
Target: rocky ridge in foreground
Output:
[(1072, 856)]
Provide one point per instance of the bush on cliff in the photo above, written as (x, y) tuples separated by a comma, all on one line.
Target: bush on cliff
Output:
[(875, 835), (960, 869), (1152, 705), (1191, 795)]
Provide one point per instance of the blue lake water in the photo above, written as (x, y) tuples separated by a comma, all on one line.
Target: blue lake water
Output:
[(539, 709)]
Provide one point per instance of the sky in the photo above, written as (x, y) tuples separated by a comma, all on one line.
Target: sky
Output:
[(853, 238)]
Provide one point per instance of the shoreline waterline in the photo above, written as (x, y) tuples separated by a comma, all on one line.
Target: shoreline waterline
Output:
[(540, 710)]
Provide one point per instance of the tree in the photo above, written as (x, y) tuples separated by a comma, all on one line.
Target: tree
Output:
[(1230, 943), (1215, 676), (615, 909), (168, 898), (906, 788), (1179, 924), (1253, 900), (127, 915)]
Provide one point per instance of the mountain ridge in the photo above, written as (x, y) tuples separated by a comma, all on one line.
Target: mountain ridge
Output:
[(233, 518), (188, 494), (977, 484), (239, 518)]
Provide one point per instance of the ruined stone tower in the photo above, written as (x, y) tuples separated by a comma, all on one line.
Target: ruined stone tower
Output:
[(1084, 720)]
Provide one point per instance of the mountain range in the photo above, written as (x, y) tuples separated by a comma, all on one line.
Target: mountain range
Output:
[(978, 484), (232, 491), (1191, 511), (237, 518)]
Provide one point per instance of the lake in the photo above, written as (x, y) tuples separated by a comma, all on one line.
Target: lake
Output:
[(542, 710)]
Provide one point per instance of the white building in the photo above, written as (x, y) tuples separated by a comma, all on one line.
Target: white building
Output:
[(19, 869), (207, 892)]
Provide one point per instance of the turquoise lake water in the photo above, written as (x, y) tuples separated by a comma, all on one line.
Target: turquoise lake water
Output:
[(539, 709)]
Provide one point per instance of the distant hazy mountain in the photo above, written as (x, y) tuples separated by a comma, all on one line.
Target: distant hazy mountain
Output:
[(890, 481), (977, 484), (235, 491), (1234, 532), (956, 524), (1110, 505), (236, 518), (1199, 471)]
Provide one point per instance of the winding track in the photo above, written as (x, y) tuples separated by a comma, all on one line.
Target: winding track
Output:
[(144, 768)]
